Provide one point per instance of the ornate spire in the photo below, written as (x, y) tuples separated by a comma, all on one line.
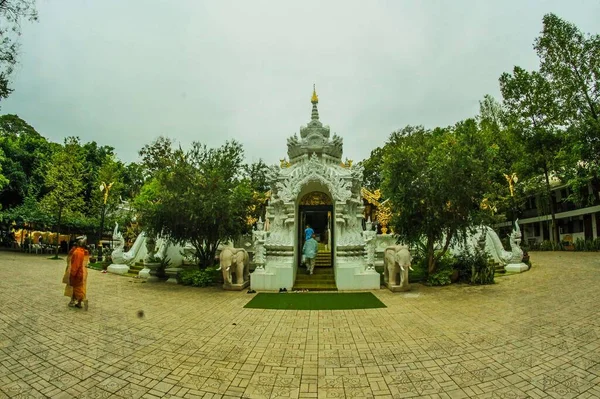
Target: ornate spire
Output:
[(314, 100)]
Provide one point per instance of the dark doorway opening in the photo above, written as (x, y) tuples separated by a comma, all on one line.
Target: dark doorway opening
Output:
[(319, 218)]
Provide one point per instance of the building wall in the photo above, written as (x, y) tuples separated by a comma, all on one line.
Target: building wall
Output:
[(573, 221)]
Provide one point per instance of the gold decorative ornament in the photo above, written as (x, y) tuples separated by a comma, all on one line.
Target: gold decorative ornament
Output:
[(314, 99), (371, 197), (315, 198), (106, 188), (284, 163), (512, 180), (384, 216)]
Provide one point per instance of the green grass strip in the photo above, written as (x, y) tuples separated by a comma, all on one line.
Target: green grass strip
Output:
[(315, 301)]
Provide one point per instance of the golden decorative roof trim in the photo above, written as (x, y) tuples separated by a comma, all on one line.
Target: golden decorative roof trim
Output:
[(371, 197)]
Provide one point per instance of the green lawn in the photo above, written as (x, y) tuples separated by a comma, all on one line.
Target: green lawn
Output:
[(315, 301)]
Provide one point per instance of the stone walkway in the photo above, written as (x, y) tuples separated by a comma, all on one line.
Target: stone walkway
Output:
[(531, 335)]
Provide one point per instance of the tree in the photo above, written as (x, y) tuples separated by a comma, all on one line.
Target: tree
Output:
[(12, 12), (507, 158), (109, 189), (27, 156), (570, 61), (94, 158), (200, 197), (372, 169), (157, 156), (534, 115), (256, 175), (133, 180), (435, 181), (29, 215), (64, 182)]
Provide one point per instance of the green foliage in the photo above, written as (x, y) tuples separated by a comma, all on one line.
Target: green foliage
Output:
[(587, 245), (133, 180), (443, 274), (97, 265), (64, 182), (200, 196), (551, 246), (372, 169), (475, 268), (440, 277), (25, 153), (436, 181), (534, 114), (29, 213), (506, 150), (64, 179), (12, 13), (419, 272), (257, 173), (94, 158), (569, 59), (200, 278)]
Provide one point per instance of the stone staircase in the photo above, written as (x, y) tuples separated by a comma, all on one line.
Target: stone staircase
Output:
[(135, 269), (322, 278)]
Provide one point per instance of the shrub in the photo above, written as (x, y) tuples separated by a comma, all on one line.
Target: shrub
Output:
[(199, 278), (445, 269), (441, 277), (419, 272), (587, 245), (475, 268), (551, 246)]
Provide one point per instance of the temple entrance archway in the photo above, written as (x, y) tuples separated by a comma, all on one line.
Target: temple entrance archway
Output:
[(315, 208)]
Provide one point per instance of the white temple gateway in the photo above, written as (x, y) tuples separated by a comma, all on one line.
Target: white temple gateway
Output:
[(314, 187)]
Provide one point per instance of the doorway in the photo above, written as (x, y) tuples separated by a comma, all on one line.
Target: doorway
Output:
[(319, 218)]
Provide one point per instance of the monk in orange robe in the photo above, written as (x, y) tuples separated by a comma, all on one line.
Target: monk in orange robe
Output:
[(76, 274)]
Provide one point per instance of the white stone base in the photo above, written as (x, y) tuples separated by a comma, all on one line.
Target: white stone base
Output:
[(398, 288), (118, 269), (172, 272), (273, 278), (349, 278), (516, 267), (145, 274), (236, 287)]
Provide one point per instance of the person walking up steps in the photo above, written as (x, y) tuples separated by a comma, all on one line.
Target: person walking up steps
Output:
[(309, 250)]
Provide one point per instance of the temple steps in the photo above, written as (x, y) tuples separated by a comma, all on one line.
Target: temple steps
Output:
[(323, 259), (134, 270), (322, 278)]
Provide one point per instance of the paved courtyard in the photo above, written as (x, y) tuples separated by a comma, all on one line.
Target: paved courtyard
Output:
[(531, 335)]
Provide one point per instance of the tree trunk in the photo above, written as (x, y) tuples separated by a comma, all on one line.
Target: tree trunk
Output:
[(58, 233), (430, 256), (554, 227)]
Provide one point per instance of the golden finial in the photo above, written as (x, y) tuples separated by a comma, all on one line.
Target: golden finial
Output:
[(315, 98)]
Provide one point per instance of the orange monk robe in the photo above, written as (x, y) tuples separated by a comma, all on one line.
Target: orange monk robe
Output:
[(78, 273)]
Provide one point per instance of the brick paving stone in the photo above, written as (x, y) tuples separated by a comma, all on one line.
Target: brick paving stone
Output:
[(533, 335)]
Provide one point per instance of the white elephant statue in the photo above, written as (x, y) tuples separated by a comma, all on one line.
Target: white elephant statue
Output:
[(397, 260), (234, 261)]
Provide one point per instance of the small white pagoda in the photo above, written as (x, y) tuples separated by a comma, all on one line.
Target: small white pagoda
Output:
[(314, 187)]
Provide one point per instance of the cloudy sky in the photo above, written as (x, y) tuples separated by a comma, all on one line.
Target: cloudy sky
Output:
[(124, 72)]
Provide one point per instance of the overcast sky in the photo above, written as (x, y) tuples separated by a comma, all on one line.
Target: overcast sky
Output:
[(123, 72)]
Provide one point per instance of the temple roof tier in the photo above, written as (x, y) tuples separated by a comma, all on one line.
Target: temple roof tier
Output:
[(314, 138)]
